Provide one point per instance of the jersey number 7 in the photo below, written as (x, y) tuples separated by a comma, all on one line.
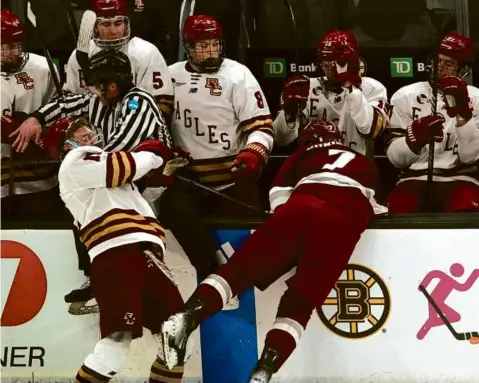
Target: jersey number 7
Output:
[(344, 158)]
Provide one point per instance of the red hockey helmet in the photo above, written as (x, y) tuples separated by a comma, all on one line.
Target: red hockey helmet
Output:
[(459, 48), (67, 133), (13, 32), (320, 132), (335, 40), (112, 29), (203, 42)]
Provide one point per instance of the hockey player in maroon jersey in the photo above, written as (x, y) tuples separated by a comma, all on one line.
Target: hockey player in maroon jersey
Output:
[(455, 130), (324, 190), (126, 244)]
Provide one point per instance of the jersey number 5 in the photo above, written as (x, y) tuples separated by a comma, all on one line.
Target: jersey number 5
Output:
[(344, 158), (157, 81)]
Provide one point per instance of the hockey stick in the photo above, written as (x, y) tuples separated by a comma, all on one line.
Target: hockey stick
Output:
[(219, 194), (33, 20), (287, 3), (83, 44), (71, 19), (455, 334), (442, 29)]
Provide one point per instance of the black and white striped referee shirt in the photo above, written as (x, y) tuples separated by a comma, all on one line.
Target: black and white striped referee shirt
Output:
[(124, 125)]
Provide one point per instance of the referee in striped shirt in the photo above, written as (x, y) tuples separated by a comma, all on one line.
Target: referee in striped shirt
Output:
[(122, 113)]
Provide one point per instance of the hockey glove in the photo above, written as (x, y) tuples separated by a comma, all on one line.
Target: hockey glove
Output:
[(423, 131), (294, 96), (250, 160), (347, 67), (456, 97)]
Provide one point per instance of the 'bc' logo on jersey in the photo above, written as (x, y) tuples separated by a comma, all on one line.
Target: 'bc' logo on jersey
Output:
[(24, 79), (214, 86), (359, 304)]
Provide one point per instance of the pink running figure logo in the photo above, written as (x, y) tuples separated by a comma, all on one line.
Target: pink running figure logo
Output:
[(438, 297)]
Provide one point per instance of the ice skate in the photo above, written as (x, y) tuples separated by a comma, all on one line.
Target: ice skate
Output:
[(78, 299), (264, 369), (176, 331), (232, 304)]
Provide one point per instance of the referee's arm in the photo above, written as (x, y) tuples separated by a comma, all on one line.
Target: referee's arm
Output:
[(72, 106), (139, 119)]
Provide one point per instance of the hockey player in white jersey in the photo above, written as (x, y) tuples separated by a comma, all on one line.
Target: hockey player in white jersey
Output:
[(455, 130), (26, 85), (222, 119), (130, 281), (112, 30), (357, 104)]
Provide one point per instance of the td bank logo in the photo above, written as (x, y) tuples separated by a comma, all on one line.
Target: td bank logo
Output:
[(359, 304), (401, 67), (274, 67)]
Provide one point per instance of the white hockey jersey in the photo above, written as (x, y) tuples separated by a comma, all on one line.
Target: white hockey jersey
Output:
[(455, 158), (216, 115), (323, 105), (109, 211), (149, 69), (25, 91)]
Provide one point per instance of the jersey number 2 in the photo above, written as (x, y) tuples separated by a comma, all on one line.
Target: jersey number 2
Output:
[(344, 158)]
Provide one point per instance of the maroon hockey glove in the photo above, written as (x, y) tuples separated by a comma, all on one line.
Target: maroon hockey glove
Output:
[(250, 160), (347, 67), (456, 97), (423, 131), (154, 146), (294, 95)]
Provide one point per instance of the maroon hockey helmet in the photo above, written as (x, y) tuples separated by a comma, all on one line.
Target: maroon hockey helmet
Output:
[(459, 48), (335, 40), (203, 42), (110, 13), (13, 33), (320, 132)]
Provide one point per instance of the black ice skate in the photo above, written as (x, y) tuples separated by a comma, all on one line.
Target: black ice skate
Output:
[(264, 369), (176, 331), (78, 299)]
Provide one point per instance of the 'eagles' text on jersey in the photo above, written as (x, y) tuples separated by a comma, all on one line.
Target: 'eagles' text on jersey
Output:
[(216, 115), (455, 158)]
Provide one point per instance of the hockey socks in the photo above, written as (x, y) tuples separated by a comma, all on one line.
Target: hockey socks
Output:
[(159, 373), (87, 375)]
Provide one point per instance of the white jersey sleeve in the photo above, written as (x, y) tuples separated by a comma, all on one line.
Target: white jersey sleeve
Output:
[(151, 72), (83, 170), (468, 134), (252, 110), (398, 151), (74, 80)]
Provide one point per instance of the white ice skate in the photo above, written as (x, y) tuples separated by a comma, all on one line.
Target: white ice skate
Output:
[(175, 333)]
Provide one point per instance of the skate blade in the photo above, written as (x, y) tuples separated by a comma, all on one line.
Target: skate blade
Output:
[(80, 308), (170, 353)]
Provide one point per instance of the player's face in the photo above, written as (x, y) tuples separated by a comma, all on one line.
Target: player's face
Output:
[(447, 66), (11, 52), (84, 136), (329, 69), (205, 51), (112, 28)]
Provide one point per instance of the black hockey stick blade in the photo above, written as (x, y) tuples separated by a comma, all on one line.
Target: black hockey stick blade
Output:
[(222, 195), (33, 20), (458, 336)]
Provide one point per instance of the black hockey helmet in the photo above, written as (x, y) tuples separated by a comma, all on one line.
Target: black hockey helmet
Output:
[(110, 65)]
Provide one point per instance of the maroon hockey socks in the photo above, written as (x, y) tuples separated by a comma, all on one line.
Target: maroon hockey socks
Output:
[(293, 315), (161, 374), (87, 375)]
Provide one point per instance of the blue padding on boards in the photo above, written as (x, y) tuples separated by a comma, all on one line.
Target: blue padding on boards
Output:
[(229, 348)]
